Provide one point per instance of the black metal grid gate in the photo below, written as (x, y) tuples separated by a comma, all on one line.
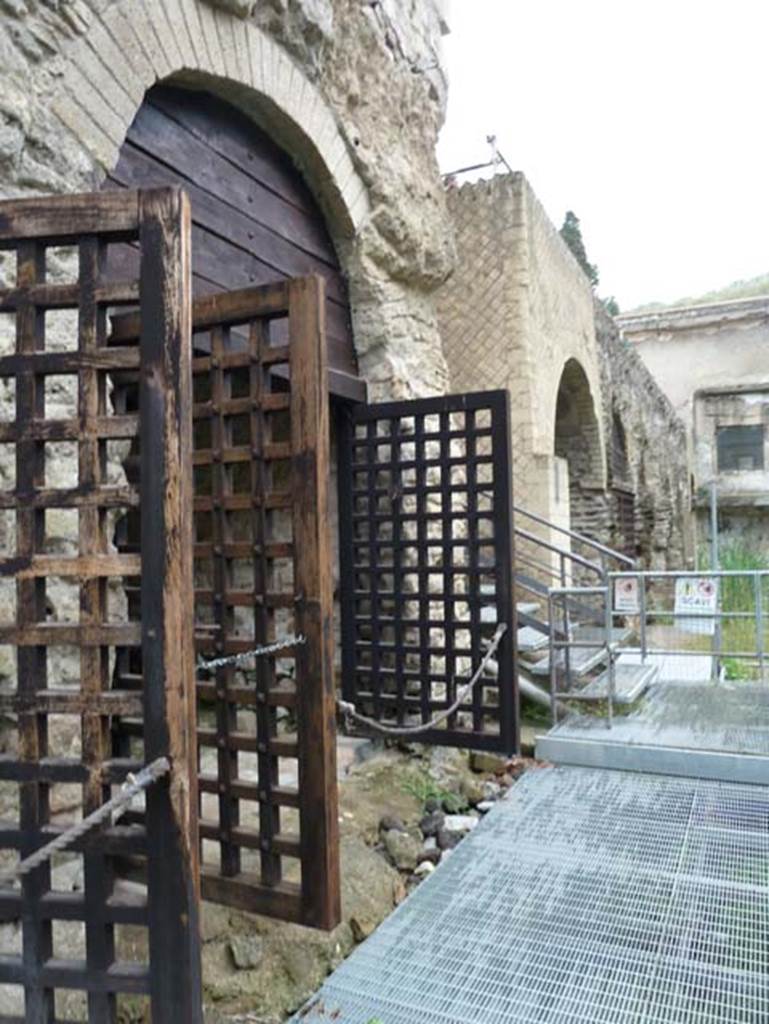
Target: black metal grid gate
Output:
[(426, 555)]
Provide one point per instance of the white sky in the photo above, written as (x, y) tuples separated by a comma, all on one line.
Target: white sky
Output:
[(650, 120)]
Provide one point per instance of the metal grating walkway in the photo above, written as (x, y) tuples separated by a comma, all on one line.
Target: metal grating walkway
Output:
[(586, 897)]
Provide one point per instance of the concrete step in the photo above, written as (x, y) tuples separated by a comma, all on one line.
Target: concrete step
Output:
[(630, 681), (530, 640), (597, 752), (582, 661)]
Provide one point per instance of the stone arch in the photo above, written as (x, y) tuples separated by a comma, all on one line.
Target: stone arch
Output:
[(135, 44), (577, 441), (392, 239)]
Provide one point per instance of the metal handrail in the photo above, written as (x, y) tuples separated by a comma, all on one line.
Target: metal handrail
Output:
[(594, 544), (584, 562), (717, 614), (563, 593), (696, 573)]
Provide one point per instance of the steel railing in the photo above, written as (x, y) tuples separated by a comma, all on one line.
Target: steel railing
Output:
[(753, 578), (607, 554), (732, 631)]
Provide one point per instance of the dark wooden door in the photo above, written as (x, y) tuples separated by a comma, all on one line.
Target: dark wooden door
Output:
[(254, 220)]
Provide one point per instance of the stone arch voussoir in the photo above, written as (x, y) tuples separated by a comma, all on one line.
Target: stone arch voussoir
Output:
[(135, 43)]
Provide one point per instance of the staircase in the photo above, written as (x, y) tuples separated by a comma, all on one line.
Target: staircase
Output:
[(565, 643)]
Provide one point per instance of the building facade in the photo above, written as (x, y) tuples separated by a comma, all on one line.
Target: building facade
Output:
[(712, 361)]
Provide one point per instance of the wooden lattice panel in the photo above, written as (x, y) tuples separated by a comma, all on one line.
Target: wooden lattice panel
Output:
[(426, 564), (268, 806), (62, 605)]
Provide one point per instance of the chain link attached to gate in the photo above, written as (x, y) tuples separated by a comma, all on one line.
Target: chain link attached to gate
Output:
[(134, 784), (130, 789), (255, 652), (150, 774), (348, 710)]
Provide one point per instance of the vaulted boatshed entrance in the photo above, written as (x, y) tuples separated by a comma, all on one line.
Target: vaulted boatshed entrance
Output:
[(256, 223), (261, 347), (254, 220)]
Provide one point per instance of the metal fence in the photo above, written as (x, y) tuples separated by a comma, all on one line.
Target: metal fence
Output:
[(678, 628)]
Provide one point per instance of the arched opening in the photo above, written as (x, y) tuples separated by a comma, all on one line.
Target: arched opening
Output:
[(254, 219), (254, 222), (577, 443), (623, 499)]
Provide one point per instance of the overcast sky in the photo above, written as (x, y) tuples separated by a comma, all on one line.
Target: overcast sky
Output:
[(649, 120)]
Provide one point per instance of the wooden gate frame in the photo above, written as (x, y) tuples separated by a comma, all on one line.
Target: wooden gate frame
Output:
[(158, 223), (281, 352)]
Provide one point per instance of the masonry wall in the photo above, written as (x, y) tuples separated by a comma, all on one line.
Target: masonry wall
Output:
[(514, 312), (656, 449), (518, 312)]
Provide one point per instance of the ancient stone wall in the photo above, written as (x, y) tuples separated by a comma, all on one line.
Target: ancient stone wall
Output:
[(514, 313), (518, 312), (657, 464), (354, 92)]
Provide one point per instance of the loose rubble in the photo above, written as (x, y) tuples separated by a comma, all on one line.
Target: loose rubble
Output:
[(456, 791)]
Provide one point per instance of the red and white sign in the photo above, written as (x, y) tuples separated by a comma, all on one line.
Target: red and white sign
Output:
[(626, 596), (699, 596)]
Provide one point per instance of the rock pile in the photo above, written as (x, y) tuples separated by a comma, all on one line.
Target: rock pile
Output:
[(448, 816)]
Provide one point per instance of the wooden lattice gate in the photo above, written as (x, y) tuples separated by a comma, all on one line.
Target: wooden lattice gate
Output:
[(268, 802), (55, 375), (426, 565)]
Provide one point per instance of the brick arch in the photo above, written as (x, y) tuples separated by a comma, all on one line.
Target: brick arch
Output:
[(136, 43), (577, 439)]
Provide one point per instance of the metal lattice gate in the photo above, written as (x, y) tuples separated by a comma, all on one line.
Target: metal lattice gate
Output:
[(426, 564), (60, 603), (266, 733)]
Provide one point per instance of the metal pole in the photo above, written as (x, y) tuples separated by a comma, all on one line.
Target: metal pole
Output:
[(714, 566), (565, 624), (608, 618), (713, 525), (642, 610), (759, 606), (551, 648)]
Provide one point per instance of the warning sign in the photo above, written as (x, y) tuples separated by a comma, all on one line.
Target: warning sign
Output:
[(698, 596), (626, 596)]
